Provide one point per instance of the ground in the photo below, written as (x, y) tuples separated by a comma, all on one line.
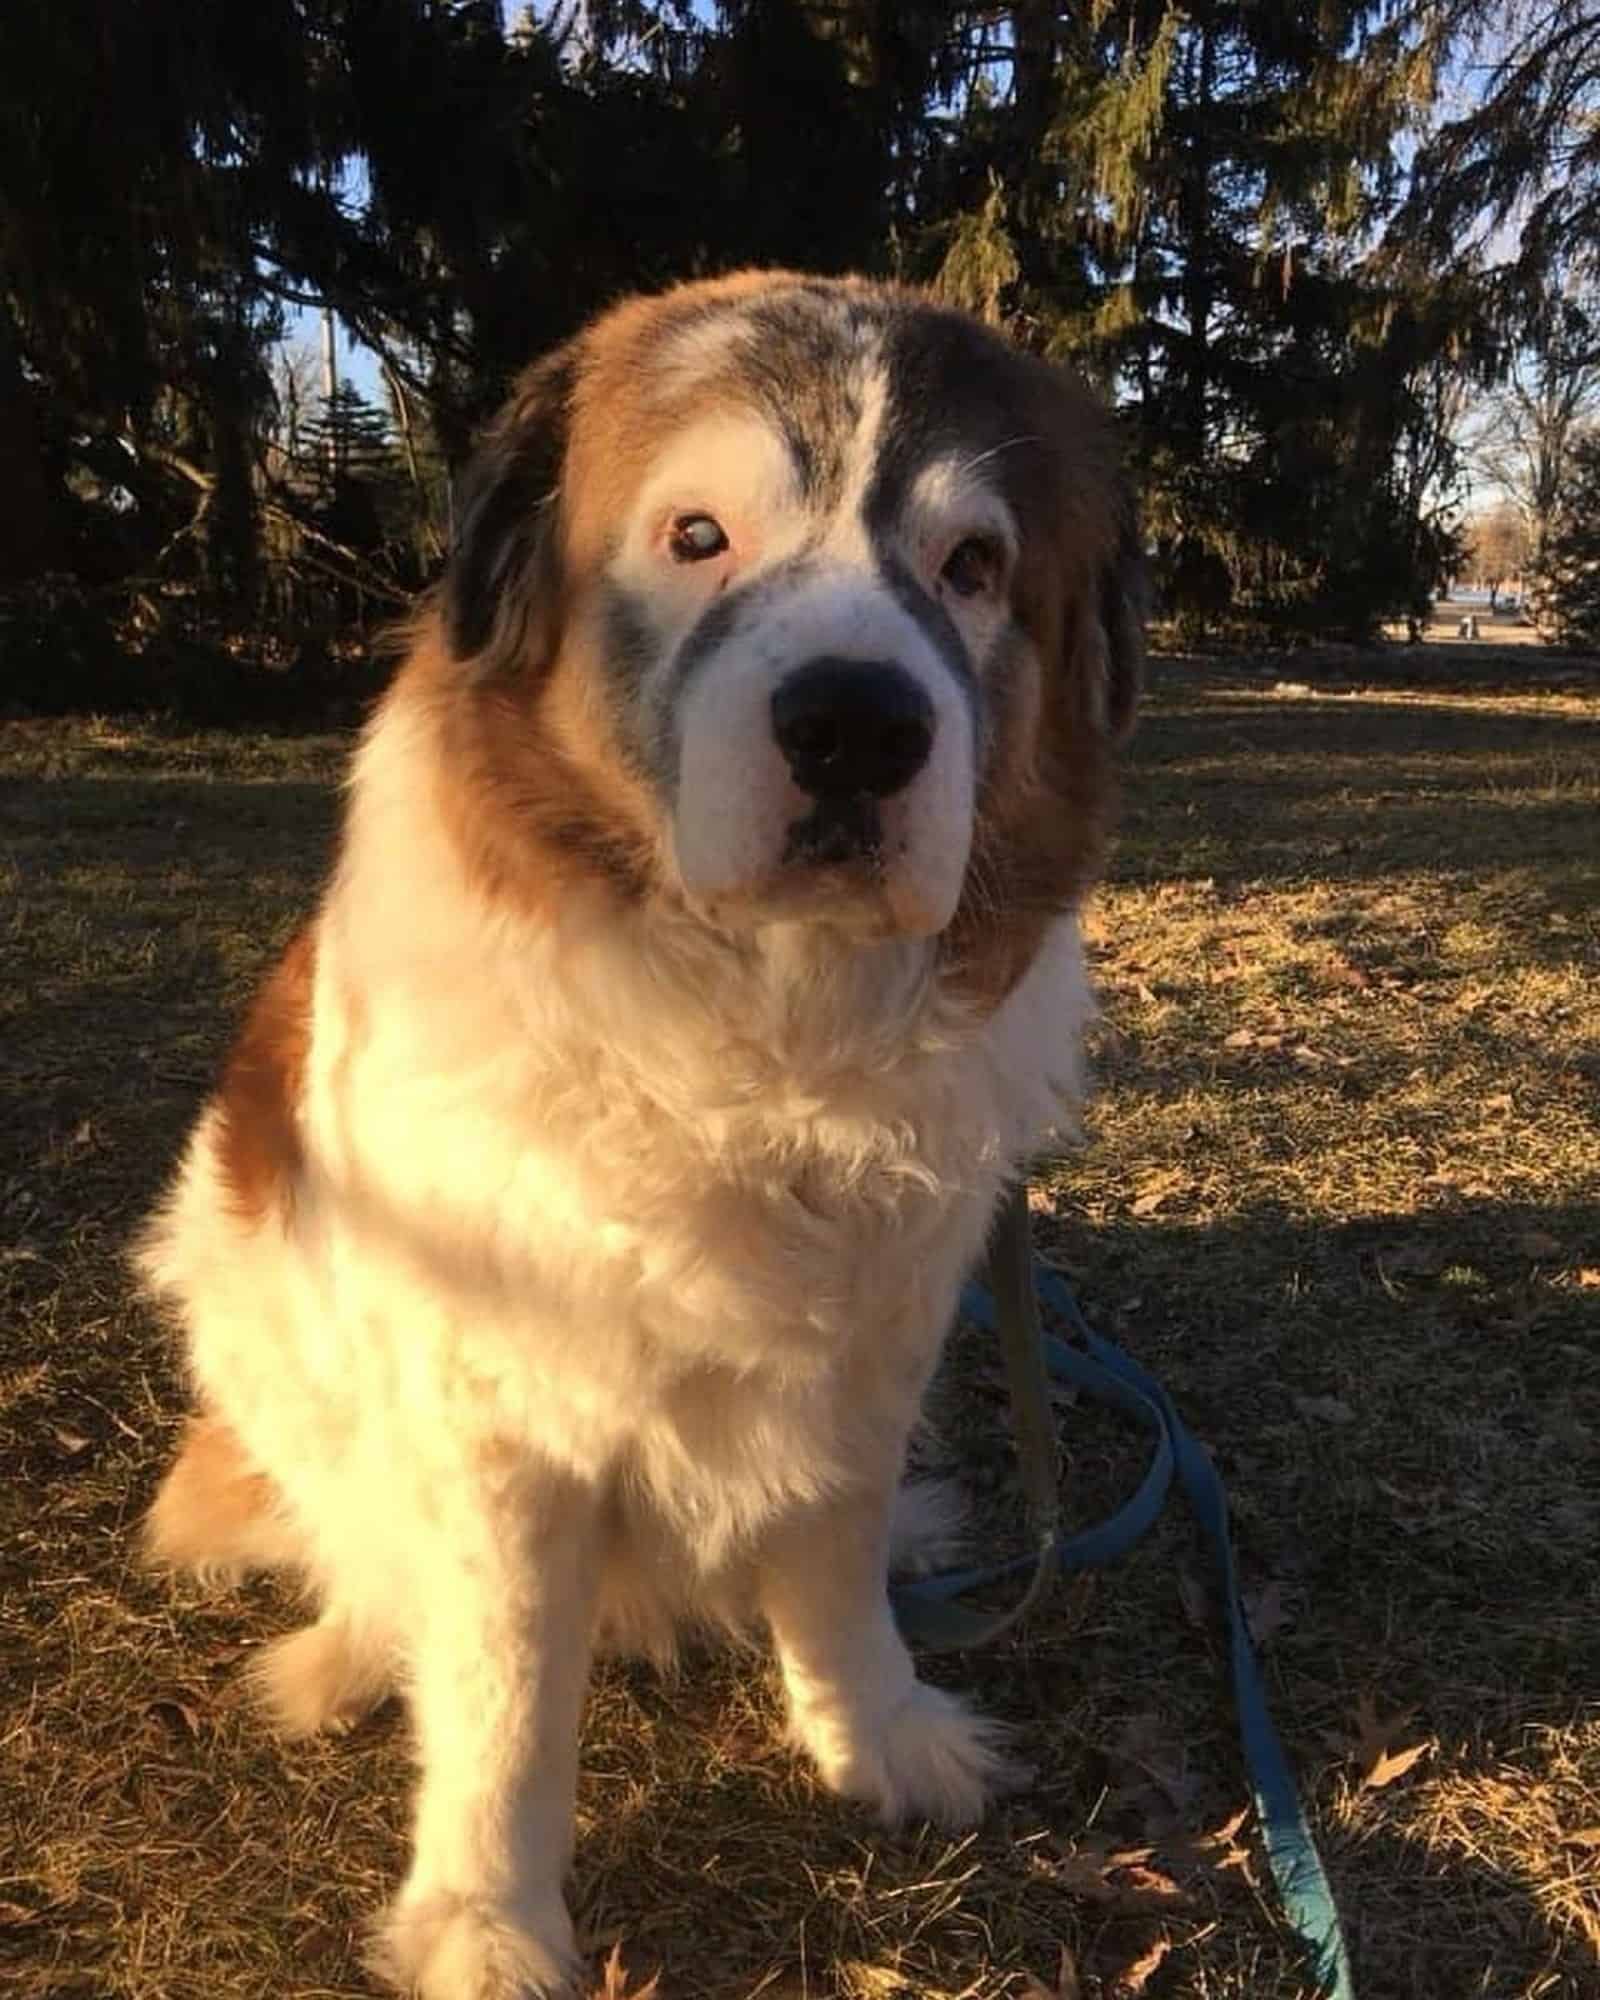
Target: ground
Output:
[(1341, 1191)]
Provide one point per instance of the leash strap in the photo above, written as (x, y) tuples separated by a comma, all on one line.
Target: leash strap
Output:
[(929, 1617)]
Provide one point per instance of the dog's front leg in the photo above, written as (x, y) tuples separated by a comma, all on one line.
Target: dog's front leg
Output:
[(877, 1733), (499, 1658)]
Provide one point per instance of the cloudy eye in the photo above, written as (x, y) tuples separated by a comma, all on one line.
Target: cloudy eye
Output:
[(973, 566), (696, 538)]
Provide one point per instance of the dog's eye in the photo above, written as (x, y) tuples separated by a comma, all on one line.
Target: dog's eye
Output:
[(973, 566), (696, 538)]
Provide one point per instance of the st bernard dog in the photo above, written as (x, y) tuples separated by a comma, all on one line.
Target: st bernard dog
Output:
[(570, 1239)]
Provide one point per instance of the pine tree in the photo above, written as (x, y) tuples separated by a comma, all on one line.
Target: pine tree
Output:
[(1236, 160), (1565, 573)]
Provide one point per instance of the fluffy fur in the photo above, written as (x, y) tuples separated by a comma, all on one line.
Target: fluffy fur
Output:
[(568, 1245)]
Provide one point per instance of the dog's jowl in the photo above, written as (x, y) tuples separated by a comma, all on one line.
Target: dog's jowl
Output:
[(567, 1246)]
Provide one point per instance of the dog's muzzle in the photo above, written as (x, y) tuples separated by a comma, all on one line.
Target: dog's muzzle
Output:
[(852, 732)]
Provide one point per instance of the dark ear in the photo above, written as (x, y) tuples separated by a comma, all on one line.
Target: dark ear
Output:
[(503, 586), (1124, 606)]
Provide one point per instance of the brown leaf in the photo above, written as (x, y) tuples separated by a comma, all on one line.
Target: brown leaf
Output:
[(1157, 1188), (1588, 1279), (1065, 1988), (1241, 1038), (1392, 1764), (1266, 1613), (1325, 1409), (72, 1442), (1216, 1851), (1582, 1836), (1378, 1762), (1194, 1597), (177, 1716), (1135, 1976), (1163, 1788), (1121, 1879), (616, 1986)]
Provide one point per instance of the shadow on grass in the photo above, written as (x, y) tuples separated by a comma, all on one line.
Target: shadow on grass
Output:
[(1257, 791), (1405, 1409)]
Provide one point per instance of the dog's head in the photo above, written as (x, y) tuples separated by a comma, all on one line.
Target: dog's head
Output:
[(798, 599)]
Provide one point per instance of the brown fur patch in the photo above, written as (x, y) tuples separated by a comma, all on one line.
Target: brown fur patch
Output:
[(214, 1510), (1045, 802), (259, 1147), (535, 794)]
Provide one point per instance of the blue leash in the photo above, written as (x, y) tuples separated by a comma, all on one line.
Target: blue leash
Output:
[(929, 1615)]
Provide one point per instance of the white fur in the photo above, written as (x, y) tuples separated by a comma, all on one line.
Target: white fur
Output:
[(621, 1254), (736, 802)]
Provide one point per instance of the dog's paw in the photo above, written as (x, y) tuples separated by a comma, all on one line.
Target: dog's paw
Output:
[(929, 1757), (446, 1947), (320, 1678)]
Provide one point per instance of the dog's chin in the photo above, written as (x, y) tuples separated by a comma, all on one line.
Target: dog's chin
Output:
[(857, 901), (841, 865)]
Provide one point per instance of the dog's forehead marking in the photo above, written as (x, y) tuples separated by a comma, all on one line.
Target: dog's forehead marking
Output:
[(810, 361)]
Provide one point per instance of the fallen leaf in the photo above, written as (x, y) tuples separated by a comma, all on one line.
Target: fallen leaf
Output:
[(1583, 1836), (1146, 993), (1390, 1765), (1378, 1762), (1157, 1754), (1156, 1189), (1135, 1976), (616, 1986), (1218, 1850), (72, 1442), (1194, 1597), (1325, 1409), (1066, 1987), (177, 1716), (1266, 1613), (1121, 1879), (1588, 1279), (1241, 1038)]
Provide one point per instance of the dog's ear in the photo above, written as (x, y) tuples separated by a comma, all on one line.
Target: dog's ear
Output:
[(504, 586), (1124, 608)]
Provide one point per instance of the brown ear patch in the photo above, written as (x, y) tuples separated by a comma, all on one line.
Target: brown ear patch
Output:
[(259, 1146), (1046, 797), (503, 585)]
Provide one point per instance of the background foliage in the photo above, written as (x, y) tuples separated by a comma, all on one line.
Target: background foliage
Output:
[(1296, 245)]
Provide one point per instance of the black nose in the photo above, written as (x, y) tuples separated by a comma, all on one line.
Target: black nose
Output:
[(852, 728)]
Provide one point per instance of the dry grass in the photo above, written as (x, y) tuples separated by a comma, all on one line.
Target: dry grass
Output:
[(1343, 1195)]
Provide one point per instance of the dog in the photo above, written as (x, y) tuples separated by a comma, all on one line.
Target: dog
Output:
[(570, 1239)]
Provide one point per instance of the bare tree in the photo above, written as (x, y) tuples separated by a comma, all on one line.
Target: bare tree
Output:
[(1522, 439), (295, 378), (1497, 548)]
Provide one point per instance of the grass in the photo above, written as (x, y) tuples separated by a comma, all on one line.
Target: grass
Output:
[(1342, 1194)]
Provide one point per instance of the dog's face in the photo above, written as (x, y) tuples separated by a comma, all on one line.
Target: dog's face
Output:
[(800, 600)]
